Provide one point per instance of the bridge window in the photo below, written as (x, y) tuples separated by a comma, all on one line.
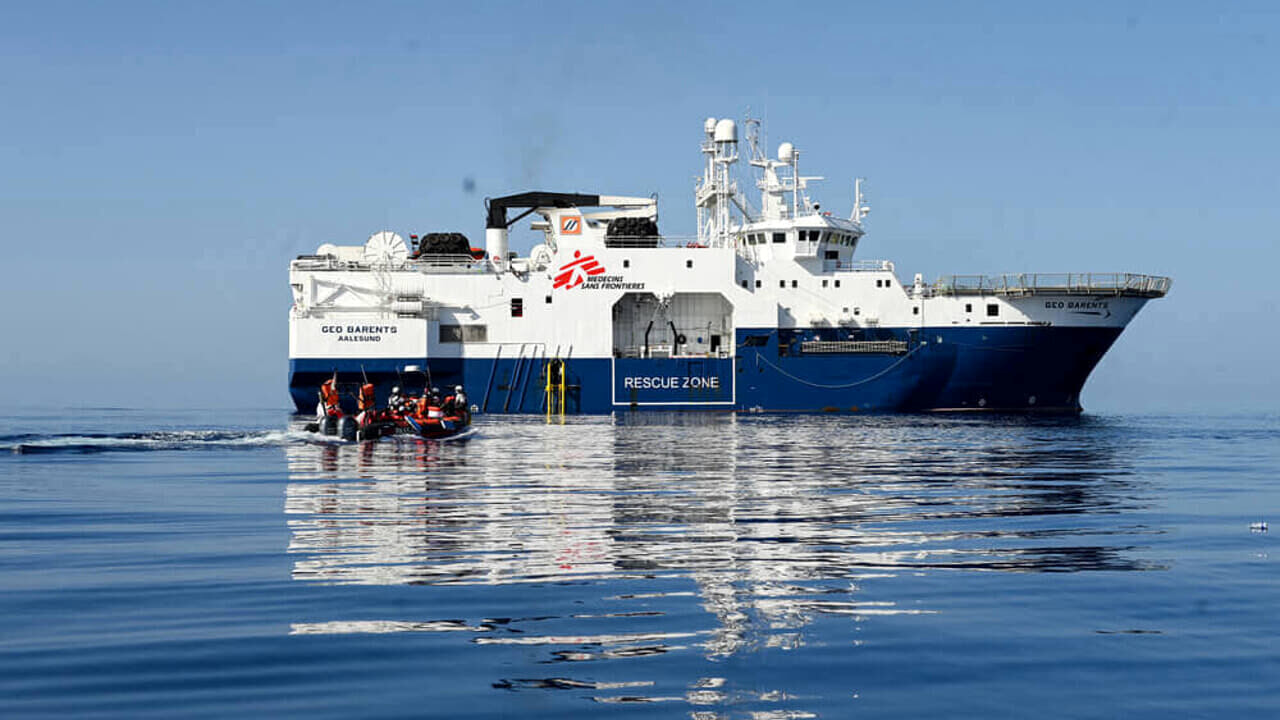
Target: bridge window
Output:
[(757, 283), (837, 283), (779, 237), (794, 283), (824, 283), (993, 310), (782, 283)]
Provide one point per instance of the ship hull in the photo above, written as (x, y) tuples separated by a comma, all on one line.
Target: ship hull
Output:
[(963, 369)]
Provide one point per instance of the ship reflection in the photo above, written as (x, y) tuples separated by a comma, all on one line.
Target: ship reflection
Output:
[(767, 522)]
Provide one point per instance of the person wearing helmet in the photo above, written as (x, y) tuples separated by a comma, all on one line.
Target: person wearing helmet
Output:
[(395, 401), (457, 405), (435, 396)]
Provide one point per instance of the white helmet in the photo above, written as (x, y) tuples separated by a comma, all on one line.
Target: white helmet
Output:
[(395, 390), (458, 389)]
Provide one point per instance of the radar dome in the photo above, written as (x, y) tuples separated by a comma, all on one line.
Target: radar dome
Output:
[(786, 152), (727, 131)]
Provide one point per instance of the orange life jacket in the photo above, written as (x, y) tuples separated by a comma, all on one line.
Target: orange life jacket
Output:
[(366, 397), (329, 394)]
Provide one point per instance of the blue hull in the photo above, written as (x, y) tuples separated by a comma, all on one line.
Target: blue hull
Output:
[(1023, 368)]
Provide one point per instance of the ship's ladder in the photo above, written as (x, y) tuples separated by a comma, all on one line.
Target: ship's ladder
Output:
[(556, 387)]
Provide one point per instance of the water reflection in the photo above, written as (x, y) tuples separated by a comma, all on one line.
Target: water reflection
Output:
[(765, 522)]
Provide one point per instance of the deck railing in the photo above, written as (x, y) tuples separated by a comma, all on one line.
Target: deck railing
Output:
[(1131, 284), (850, 347), (425, 263)]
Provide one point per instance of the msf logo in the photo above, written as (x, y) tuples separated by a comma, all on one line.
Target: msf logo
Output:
[(575, 272)]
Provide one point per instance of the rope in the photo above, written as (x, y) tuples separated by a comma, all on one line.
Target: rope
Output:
[(760, 358)]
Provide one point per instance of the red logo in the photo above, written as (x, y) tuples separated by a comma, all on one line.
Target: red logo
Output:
[(574, 273)]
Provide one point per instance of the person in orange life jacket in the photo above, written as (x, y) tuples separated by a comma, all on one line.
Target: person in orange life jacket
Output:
[(329, 402), (429, 407), (366, 401)]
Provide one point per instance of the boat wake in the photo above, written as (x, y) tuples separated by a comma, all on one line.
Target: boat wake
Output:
[(89, 443), (86, 443)]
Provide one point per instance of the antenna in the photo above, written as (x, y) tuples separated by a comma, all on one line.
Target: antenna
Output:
[(795, 182), (859, 210), (753, 138)]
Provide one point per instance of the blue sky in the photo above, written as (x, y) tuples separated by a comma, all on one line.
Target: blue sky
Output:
[(162, 162)]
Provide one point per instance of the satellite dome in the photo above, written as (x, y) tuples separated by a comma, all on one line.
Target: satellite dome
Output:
[(726, 131), (786, 152)]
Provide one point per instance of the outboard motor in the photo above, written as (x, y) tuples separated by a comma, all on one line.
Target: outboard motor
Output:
[(328, 425)]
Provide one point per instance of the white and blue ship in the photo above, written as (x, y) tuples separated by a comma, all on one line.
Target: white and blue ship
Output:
[(765, 308)]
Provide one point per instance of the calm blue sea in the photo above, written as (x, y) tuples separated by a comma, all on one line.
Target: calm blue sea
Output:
[(198, 564)]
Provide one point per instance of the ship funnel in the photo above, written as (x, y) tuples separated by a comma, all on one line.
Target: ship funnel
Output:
[(495, 244)]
